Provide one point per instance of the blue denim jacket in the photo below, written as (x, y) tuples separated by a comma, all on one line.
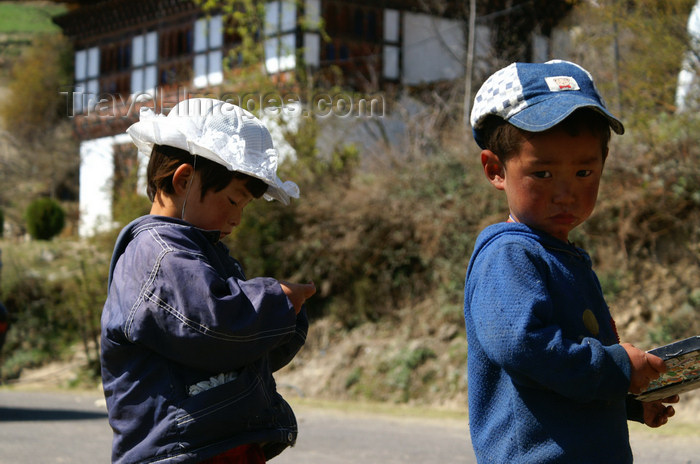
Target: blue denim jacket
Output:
[(189, 346)]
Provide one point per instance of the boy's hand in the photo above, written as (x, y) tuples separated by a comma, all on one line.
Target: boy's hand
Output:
[(645, 367), (656, 414), (298, 293)]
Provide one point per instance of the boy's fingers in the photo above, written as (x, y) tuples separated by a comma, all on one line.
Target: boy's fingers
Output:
[(656, 363), (309, 289)]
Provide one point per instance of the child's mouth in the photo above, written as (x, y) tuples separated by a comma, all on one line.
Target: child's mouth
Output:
[(564, 218)]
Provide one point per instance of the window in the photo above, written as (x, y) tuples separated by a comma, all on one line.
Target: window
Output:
[(175, 59), (280, 36), (312, 39), (115, 57), (358, 29), (144, 55), (87, 67), (391, 56), (208, 49), (176, 42), (356, 33), (115, 68)]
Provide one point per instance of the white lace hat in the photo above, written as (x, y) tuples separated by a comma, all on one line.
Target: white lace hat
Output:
[(221, 132)]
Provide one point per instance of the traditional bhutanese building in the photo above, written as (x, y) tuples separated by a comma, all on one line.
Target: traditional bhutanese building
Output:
[(134, 53)]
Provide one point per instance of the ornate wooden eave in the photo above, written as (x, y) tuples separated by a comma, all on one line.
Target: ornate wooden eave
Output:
[(114, 115), (90, 22)]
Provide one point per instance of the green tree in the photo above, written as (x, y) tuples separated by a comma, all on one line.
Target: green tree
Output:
[(45, 218), (41, 154), (635, 49), (34, 105)]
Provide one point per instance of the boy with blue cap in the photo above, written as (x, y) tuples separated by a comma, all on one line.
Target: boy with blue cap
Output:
[(549, 381), (189, 344)]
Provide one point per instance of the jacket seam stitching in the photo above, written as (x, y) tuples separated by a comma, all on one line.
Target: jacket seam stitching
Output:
[(165, 249), (185, 418), (207, 331)]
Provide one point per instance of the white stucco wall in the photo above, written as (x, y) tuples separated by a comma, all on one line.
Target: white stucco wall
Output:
[(96, 171), (688, 86), (433, 48)]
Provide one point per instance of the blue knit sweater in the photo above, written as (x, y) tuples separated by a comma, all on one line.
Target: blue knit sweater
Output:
[(547, 377)]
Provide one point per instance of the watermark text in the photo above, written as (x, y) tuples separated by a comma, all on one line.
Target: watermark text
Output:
[(290, 104)]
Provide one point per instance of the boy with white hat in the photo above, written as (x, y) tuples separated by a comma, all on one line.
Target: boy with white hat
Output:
[(188, 343), (548, 377)]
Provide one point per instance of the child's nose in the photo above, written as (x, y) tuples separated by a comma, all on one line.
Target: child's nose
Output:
[(564, 193), (236, 218)]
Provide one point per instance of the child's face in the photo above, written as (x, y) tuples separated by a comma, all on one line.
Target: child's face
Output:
[(552, 184), (220, 210)]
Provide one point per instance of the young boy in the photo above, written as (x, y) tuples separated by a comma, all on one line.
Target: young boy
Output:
[(188, 343), (548, 378)]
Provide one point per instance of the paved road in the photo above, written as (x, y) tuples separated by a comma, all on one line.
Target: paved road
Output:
[(71, 428), (48, 428), (333, 437)]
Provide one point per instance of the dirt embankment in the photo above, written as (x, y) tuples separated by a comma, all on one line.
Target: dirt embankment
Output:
[(419, 357)]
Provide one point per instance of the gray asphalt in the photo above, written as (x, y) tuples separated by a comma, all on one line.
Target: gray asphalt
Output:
[(47, 428), (71, 427)]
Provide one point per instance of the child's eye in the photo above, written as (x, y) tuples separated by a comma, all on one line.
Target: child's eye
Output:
[(584, 173), (542, 174)]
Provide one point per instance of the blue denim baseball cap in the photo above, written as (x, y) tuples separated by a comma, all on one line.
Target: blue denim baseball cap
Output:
[(537, 96)]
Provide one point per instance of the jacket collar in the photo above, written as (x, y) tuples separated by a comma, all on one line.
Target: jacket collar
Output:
[(131, 229)]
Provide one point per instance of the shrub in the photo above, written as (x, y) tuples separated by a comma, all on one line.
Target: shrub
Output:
[(37, 329), (373, 238), (54, 296), (45, 218)]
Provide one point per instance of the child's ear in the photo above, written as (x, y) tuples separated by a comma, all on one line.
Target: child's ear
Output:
[(182, 177), (493, 168)]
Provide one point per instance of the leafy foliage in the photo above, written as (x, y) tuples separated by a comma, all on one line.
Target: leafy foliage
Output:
[(34, 103), (40, 156), (373, 240), (246, 21), (45, 218), (381, 235), (35, 327), (54, 292), (639, 47)]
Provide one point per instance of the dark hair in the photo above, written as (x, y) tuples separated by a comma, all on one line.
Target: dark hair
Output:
[(504, 139), (165, 160)]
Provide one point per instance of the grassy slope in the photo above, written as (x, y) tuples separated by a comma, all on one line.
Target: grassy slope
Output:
[(28, 17)]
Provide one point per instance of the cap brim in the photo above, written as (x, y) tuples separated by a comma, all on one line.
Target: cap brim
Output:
[(555, 109)]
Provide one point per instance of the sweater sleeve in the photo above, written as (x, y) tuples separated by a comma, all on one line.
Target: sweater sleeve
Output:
[(517, 324), (189, 313), (635, 409)]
